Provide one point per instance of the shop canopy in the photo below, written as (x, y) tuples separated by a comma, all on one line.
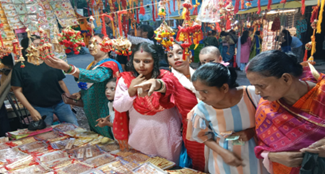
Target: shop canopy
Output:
[(275, 5)]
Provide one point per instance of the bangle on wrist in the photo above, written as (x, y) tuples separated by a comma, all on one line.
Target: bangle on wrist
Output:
[(74, 70), (161, 85), (70, 69)]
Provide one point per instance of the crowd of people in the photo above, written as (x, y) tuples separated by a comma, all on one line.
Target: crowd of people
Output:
[(201, 113)]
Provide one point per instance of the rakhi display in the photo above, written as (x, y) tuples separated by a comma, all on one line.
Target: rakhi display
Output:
[(190, 33), (40, 154), (107, 44), (71, 39), (121, 45), (164, 33), (32, 51)]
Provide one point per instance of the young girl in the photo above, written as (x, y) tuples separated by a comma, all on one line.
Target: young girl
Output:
[(110, 93), (150, 128), (224, 120)]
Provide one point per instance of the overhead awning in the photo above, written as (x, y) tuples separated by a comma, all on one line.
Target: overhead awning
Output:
[(288, 5)]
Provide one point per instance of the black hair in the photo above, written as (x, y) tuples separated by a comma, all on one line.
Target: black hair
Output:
[(149, 29), (223, 33), (275, 63), (216, 74), (213, 32), (149, 48), (257, 33), (25, 43), (244, 37), (113, 79), (8, 61)]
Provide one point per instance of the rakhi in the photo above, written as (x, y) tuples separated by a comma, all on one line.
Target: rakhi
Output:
[(121, 45), (106, 45), (164, 33), (32, 51), (71, 39)]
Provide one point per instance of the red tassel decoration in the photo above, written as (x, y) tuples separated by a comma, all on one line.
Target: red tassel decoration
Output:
[(169, 8), (283, 1), (195, 12), (153, 11), (228, 25), (156, 9), (236, 6), (259, 6), (138, 19), (174, 1), (269, 5), (242, 4), (142, 10), (306, 56), (302, 7), (218, 27)]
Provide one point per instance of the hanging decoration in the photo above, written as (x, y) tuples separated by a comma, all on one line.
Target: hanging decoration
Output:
[(106, 45), (179, 6), (190, 32), (17, 51), (242, 3), (71, 39), (4, 50), (45, 47), (312, 44), (153, 11), (248, 3), (269, 4), (209, 12), (259, 6), (303, 7), (32, 52), (236, 6), (55, 41), (142, 10), (164, 33), (86, 30), (121, 45), (320, 17), (276, 25)]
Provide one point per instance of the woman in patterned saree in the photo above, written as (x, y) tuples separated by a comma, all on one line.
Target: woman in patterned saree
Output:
[(291, 115)]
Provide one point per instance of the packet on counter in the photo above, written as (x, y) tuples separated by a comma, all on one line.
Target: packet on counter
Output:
[(93, 171), (148, 168), (48, 157), (21, 142), (100, 160), (38, 146), (34, 169), (109, 147), (59, 163), (115, 167), (184, 170), (21, 163), (64, 127), (4, 139), (22, 133), (50, 136), (74, 132), (76, 168), (80, 153), (137, 158), (11, 155)]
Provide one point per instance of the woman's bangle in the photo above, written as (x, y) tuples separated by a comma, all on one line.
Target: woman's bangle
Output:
[(70, 69), (74, 70), (162, 87)]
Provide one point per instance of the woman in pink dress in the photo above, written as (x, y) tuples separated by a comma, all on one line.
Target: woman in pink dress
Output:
[(246, 44), (148, 127)]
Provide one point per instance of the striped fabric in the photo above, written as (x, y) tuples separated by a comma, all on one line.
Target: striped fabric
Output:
[(207, 123)]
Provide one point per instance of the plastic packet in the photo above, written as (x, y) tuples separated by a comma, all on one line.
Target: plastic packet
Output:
[(137, 158), (75, 168), (87, 134), (82, 141), (96, 140), (100, 160), (184, 170), (124, 154), (115, 167), (59, 163), (4, 139), (49, 136), (109, 147), (4, 146), (74, 132), (38, 146), (60, 145), (148, 168), (22, 141), (93, 171), (34, 169), (21, 163), (64, 127), (81, 152), (161, 162), (11, 155), (53, 156)]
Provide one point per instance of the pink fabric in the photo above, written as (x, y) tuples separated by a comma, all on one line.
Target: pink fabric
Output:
[(154, 135), (245, 51), (266, 162)]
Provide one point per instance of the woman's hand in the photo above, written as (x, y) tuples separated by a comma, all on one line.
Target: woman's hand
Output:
[(290, 159), (148, 87), (57, 63), (132, 90), (76, 95), (317, 147), (231, 159), (35, 115), (102, 122), (245, 135)]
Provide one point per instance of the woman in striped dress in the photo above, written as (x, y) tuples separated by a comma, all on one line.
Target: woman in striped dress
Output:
[(224, 121)]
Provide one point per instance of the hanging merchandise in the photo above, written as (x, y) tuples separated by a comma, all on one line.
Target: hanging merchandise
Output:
[(71, 39), (64, 12), (45, 47), (320, 17), (276, 25), (32, 52), (11, 14), (17, 51), (259, 6), (312, 44), (6, 35), (55, 41), (179, 6), (153, 11), (86, 30), (269, 4), (106, 45), (248, 3), (121, 45), (209, 11), (236, 6), (142, 10), (190, 32), (164, 33)]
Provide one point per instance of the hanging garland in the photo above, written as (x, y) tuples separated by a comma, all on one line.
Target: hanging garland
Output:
[(122, 46), (71, 39), (164, 34), (106, 45)]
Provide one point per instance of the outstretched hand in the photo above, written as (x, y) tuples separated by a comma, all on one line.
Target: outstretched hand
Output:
[(148, 87), (57, 63)]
